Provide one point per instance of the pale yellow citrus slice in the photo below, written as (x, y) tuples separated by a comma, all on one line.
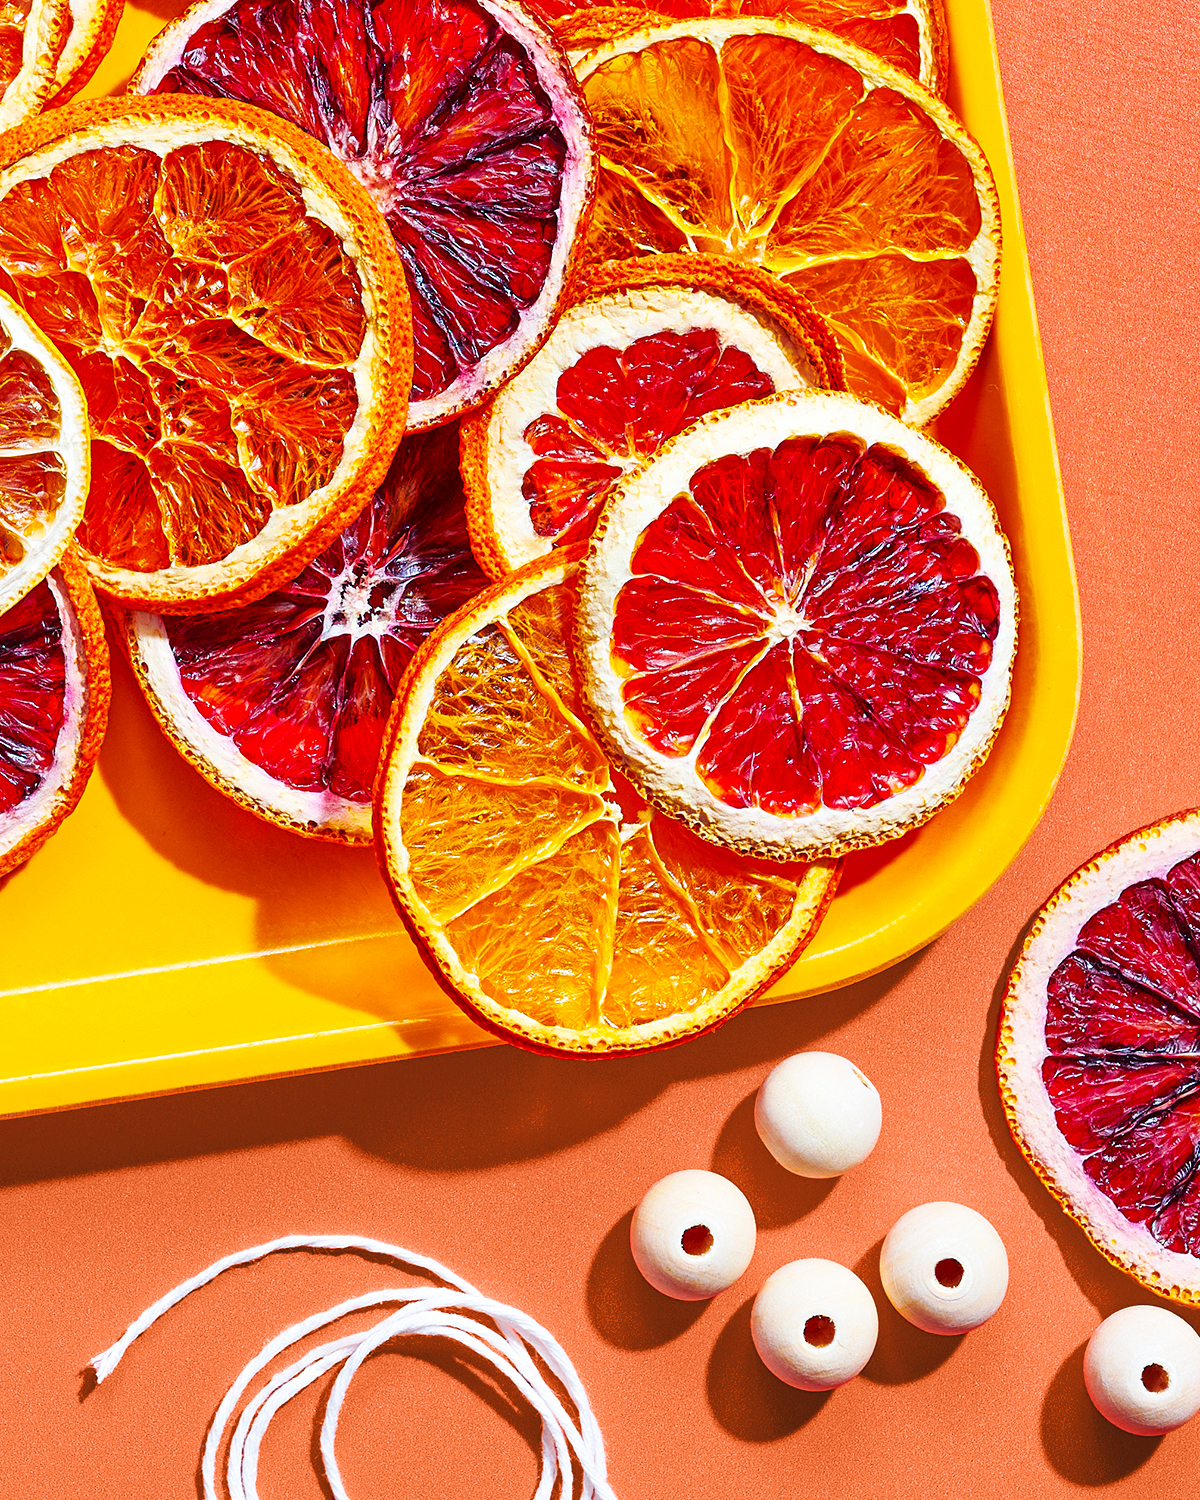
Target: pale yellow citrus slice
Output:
[(555, 906)]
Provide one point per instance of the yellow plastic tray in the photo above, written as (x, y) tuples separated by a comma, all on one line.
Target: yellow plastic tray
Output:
[(164, 939)]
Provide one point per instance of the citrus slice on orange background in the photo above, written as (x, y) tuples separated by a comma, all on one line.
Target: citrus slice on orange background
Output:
[(797, 626), (91, 27), (54, 695), (32, 35), (793, 149), (44, 457), (649, 346), (558, 909), (235, 310), (282, 704), (461, 117), (1099, 1052)]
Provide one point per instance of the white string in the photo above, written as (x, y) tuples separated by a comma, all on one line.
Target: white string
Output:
[(572, 1447)]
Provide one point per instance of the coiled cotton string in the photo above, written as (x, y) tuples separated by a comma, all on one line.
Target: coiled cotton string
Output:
[(572, 1448)]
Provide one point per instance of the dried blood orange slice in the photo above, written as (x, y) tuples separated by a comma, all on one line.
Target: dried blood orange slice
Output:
[(91, 26), (32, 36), (649, 346), (463, 120), (1099, 1052), (44, 458), (235, 310), (282, 704), (797, 626), (793, 149), (558, 909), (54, 693)]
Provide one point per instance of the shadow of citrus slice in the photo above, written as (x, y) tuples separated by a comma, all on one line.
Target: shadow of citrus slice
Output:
[(560, 911)]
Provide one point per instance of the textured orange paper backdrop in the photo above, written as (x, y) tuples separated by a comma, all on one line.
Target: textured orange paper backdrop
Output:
[(521, 1173)]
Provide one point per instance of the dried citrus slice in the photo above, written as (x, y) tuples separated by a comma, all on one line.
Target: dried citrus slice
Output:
[(44, 459), (464, 121), (797, 626), (791, 148), (909, 34), (1099, 1052), (91, 26), (235, 310), (555, 906), (54, 692), (282, 704), (649, 346), (32, 36)]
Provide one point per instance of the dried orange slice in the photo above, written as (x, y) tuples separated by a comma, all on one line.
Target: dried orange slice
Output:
[(282, 704), (91, 26), (797, 626), (235, 310), (463, 120), (649, 346), (1099, 1052), (558, 909), (32, 35), (44, 459), (909, 34), (793, 149), (54, 693)]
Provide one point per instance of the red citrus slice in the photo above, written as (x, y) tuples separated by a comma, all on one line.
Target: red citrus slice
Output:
[(54, 692), (797, 626), (282, 704), (649, 346), (461, 117), (1099, 1052)]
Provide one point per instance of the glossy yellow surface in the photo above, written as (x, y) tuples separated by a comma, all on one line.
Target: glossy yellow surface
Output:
[(164, 939)]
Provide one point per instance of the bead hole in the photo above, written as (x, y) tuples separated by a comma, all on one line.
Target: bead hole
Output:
[(697, 1240), (819, 1331), (949, 1272), (1155, 1378)]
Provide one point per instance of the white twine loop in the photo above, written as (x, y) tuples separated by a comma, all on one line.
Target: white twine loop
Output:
[(572, 1447)]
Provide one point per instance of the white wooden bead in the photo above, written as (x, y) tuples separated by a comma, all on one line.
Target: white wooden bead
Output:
[(693, 1235), (814, 1324), (944, 1268), (1142, 1370), (817, 1114)]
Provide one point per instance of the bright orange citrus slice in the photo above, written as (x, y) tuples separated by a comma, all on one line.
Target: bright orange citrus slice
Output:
[(32, 36), (463, 120), (91, 26), (558, 909), (795, 150), (54, 694), (44, 458), (235, 310), (649, 346), (797, 626)]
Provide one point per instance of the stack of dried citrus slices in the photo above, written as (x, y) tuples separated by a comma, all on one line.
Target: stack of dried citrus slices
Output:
[(504, 445)]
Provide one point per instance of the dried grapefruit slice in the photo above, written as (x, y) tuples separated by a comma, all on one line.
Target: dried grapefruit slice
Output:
[(1099, 1052), (32, 36), (91, 26), (463, 120), (44, 457), (791, 148), (282, 704), (559, 910), (649, 346), (54, 693), (235, 310), (797, 626)]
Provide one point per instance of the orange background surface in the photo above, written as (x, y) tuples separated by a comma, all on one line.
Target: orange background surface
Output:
[(521, 1172)]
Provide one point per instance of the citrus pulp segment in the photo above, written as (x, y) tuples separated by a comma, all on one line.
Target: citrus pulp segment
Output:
[(797, 625), (463, 120), (791, 148), (44, 454), (54, 695), (647, 347), (235, 311), (1098, 1053), (282, 704), (32, 35), (559, 910)]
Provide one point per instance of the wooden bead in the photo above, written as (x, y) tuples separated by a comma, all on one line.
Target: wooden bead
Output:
[(944, 1268), (817, 1114), (1142, 1370), (814, 1324), (693, 1235)]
